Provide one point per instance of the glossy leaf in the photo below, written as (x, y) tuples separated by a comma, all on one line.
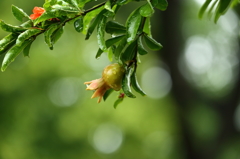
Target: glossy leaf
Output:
[(6, 40), (74, 3), (211, 9), (57, 34), (7, 47), (27, 49), (48, 3), (110, 54), (204, 8), (94, 24), (130, 52), (151, 43), (146, 10), (109, 43), (65, 8), (115, 28), (106, 95), (160, 4), (117, 102), (27, 24), (222, 7), (48, 35), (141, 49), (135, 84), (147, 27), (45, 16), (82, 3), (133, 24), (120, 48), (26, 35), (13, 53), (18, 13), (122, 2), (89, 17), (126, 83), (10, 28), (101, 33), (114, 40), (78, 24), (108, 6)]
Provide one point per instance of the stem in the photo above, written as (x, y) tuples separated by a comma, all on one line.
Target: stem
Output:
[(85, 12), (91, 9)]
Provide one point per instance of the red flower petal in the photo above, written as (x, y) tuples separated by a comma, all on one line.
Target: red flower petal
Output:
[(34, 16), (38, 10)]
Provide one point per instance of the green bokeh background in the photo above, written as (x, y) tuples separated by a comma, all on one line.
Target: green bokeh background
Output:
[(45, 112)]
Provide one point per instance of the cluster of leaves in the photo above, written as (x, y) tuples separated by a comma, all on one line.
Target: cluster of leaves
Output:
[(216, 8), (125, 45)]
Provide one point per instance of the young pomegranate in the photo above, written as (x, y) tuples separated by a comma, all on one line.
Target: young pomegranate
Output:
[(111, 78)]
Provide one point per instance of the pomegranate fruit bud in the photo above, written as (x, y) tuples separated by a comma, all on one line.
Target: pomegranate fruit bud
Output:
[(111, 78), (112, 75)]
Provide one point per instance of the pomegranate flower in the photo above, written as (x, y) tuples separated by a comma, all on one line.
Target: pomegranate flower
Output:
[(111, 78), (37, 12)]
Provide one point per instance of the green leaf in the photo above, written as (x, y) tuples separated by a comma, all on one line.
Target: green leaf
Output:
[(115, 28), (6, 40), (211, 9), (120, 48), (110, 54), (10, 28), (151, 43), (126, 83), (94, 24), (141, 49), (74, 3), (133, 24), (222, 8), (109, 43), (146, 10), (65, 8), (48, 3), (160, 4), (82, 3), (147, 27), (108, 6), (101, 33), (89, 17), (106, 95), (203, 8), (57, 34), (135, 85), (7, 47), (27, 49), (27, 24), (114, 40), (13, 53), (18, 13), (117, 102), (78, 25), (45, 16), (130, 53), (48, 35), (122, 2), (26, 35)]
